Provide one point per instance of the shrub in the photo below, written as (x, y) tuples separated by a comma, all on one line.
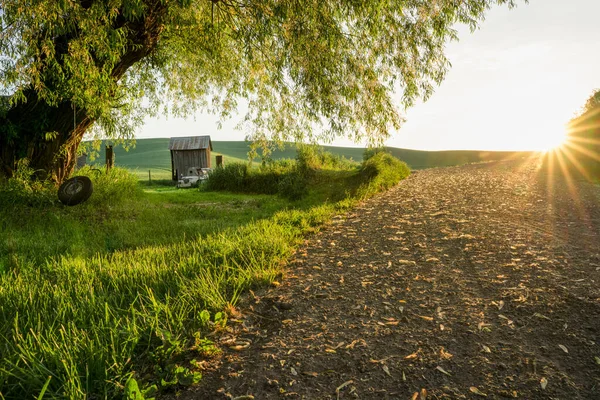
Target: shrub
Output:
[(371, 151), (288, 178), (293, 186), (307, 159), (380, 172), (267, 178), (231, 177), (311, 158), (273, 177)]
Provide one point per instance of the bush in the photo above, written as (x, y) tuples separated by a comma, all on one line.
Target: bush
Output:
[(371, 151), (231, 177), (311, 158), (288, 178), (274, 177), (267, 178), (380, 172), (293, 186)]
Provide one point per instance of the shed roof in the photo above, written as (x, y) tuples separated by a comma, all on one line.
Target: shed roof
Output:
[(190, 143)]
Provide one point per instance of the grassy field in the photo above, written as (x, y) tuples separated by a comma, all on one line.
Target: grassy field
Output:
[(118, 294), (153, 155)]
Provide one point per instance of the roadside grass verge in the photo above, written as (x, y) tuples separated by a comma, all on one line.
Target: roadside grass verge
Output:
[(101, 325)]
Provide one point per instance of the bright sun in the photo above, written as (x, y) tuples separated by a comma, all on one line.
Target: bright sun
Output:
[(550, 140)]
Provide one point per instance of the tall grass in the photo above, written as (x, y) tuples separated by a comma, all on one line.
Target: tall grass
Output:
[(85, 322), (285, 177), (118, 216), (243, 178), (380, 171), (81, 327)]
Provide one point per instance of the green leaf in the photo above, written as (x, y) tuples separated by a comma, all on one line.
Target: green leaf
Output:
[(44, 388), (205, 317), (132, 390)]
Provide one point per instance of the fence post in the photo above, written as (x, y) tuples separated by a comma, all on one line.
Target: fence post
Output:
[(110, 158)]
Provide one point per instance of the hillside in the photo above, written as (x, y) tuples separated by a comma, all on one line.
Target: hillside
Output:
[(153, 154)]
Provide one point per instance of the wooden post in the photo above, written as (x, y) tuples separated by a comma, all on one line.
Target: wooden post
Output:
[(219, 160), (110, 158), (149, 178)]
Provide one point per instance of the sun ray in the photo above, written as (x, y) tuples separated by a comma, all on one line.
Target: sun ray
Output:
[(570, 181), (583, 150), (550, 172), (584, 140), (574, 161)]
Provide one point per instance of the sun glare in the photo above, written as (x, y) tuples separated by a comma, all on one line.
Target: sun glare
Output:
[(551, 140)]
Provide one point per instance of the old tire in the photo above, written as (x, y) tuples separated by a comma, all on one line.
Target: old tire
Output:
[(75, 190)]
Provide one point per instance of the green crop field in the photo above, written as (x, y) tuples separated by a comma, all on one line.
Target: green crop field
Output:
[(153, 155)]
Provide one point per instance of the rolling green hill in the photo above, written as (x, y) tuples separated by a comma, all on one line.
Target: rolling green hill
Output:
[(153, 155)]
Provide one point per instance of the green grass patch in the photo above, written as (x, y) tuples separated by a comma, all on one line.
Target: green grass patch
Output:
[(120, 215), (137, 280)]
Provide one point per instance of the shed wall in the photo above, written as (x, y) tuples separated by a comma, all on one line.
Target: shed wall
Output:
[(184, 159)]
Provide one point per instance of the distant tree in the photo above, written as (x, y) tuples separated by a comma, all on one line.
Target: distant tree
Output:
[(583, 141), (68, 64), (592, 103)]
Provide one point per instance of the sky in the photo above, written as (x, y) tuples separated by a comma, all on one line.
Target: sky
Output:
[(513, 85)]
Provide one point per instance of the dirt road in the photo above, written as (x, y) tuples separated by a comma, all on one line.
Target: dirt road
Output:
[(473, 281)]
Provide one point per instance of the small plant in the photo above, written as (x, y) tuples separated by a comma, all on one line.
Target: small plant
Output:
[(173, 375), (204, 346), (133, 391)]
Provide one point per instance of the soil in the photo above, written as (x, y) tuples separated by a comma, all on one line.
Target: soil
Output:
[(459, 283)]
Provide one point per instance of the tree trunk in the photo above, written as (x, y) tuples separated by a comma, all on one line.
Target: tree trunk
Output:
[(52, 157)]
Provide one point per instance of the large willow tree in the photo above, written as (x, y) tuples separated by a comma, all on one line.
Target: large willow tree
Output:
[(298, 64)]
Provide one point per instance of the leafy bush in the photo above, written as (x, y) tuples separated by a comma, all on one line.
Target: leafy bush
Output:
[(293, 186), (371, 151), (311, 158), (267, 178), (380, 172)]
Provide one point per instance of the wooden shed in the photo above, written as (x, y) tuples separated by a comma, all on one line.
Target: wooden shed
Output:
[(189, 153)]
